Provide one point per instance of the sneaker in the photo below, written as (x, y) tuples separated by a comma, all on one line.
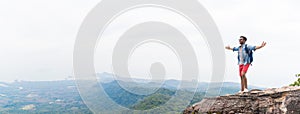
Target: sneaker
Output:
[(240, 92), (246, 90)]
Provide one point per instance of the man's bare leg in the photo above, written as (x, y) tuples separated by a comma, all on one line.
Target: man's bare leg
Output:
[(245, 82), (242, 83)]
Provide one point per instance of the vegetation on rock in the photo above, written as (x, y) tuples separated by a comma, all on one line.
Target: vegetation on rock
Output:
[(297, 82)]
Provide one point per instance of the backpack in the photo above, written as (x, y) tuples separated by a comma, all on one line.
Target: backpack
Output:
[(250, 53)]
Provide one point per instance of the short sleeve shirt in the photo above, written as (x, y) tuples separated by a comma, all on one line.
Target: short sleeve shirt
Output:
[(243, 57)]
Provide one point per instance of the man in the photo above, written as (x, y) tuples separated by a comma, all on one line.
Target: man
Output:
[(244, 59)]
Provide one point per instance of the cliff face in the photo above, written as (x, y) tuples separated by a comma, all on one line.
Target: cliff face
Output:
[(285, 100)]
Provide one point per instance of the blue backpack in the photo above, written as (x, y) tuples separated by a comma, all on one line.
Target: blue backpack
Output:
[(250, 53)]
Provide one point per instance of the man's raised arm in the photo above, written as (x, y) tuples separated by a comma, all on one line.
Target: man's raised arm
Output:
[(261, 46), (229, 48)]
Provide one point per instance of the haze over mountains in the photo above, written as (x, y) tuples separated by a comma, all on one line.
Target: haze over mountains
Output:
[(226, 87), (63, 96)]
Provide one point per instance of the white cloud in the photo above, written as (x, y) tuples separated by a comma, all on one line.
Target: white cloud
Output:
[(37, 37)]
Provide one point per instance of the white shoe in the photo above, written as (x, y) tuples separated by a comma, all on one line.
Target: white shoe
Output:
[(240, 92), (246, 90)]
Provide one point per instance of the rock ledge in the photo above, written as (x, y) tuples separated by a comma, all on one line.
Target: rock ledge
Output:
[(285, 100)]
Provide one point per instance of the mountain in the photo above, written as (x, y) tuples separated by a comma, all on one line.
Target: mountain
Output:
[(105, 77), (63, 96), (27, 97), (224, 87)]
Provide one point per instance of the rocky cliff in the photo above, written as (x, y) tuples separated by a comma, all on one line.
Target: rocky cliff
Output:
[(285, 100)]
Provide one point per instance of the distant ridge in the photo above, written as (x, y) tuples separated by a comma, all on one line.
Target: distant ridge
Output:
[(226, 87)]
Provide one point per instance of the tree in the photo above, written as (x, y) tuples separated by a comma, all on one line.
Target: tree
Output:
[(296, 83)]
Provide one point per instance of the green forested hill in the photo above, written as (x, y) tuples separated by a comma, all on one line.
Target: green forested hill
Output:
[(63, 97)]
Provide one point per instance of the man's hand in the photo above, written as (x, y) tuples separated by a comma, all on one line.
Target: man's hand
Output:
[(228, 47), (263, 44)]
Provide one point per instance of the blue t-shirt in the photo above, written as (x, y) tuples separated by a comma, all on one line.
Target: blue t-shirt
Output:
[(243, 57)]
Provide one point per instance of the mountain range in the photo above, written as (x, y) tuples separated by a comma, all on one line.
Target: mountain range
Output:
[(63, 96)]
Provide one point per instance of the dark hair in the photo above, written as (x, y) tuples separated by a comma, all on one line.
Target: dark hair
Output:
[(244, 38)]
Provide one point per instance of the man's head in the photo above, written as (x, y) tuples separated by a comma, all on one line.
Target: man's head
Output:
[(242, 39)]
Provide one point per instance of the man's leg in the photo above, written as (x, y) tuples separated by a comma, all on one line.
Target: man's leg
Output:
[(244, 71), (245, 82), (241, 76), (242, 83), (244, 79)]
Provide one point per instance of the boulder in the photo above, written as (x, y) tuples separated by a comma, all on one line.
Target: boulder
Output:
[(285, 100)]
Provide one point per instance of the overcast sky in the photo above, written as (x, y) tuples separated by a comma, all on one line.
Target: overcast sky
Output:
[(37, 37)]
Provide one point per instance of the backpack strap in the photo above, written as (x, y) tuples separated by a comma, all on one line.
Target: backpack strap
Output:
[(248, 51)]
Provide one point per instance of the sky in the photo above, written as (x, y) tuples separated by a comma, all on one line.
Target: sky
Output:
[(37, 37)]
